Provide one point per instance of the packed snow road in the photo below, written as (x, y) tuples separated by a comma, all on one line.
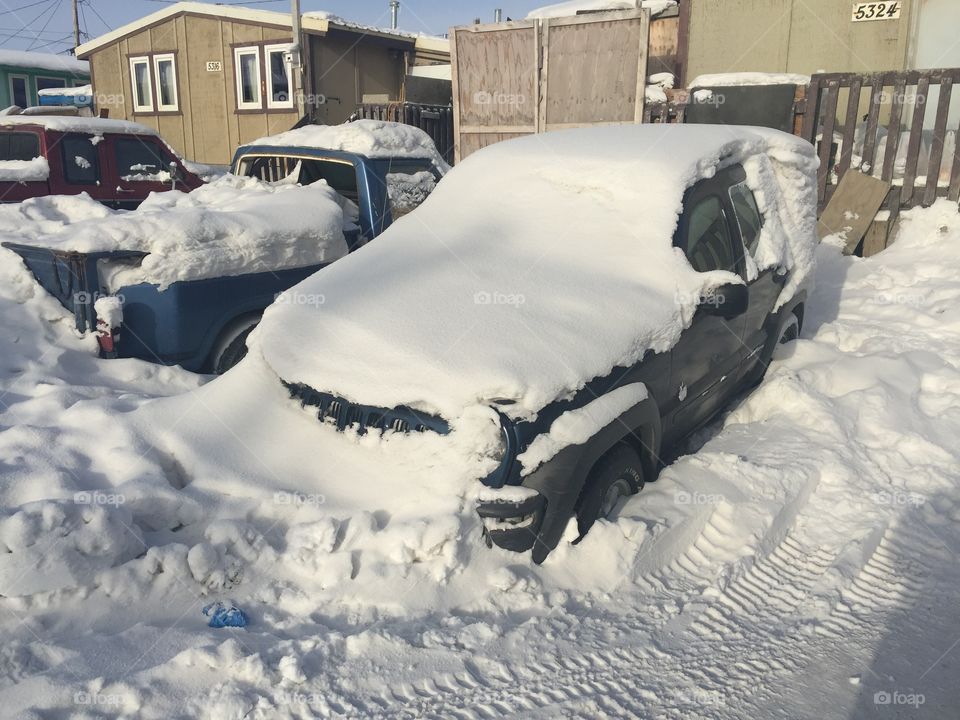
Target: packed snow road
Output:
[(798, 563)]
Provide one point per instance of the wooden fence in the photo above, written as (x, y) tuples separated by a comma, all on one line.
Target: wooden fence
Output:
[(883, 125), (530, 76), (435, 120)]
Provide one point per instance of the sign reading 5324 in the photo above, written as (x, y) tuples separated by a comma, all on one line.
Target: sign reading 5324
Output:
[(863, 11)]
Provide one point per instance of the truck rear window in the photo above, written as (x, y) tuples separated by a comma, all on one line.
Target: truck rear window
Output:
[(339, 174), (19, 146)]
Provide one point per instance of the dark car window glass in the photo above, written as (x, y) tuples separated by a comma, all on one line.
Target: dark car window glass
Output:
[(19, 146), (708, 244), (140, 160), (748, 215), (342, 177), (81, 164)]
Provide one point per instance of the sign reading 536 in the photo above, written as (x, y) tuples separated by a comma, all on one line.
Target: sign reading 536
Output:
[(863, 11)]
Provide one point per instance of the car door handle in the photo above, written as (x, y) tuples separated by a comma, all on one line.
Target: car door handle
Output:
[(124, 190)]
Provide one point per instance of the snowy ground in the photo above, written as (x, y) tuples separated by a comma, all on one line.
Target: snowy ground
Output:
[(798, 563)]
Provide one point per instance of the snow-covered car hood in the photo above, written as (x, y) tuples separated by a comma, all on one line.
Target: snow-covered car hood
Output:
[(537, 265)]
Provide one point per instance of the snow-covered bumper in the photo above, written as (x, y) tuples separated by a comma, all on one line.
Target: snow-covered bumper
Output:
[(512, 524)]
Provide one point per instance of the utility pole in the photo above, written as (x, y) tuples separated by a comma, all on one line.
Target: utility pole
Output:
[(76, 26), (296, 60)]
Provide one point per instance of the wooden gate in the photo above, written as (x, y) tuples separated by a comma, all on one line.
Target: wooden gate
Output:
[(884, 124), (530, 76)]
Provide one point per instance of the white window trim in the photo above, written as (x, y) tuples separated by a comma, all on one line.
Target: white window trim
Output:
[(271, 103), (237, 53), (134, 61), (157, 59), (26, 83)]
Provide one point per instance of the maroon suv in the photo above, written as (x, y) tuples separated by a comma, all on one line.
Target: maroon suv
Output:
[(116, 162)]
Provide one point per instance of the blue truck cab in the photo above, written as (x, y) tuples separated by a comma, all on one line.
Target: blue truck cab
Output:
[(202, 324)]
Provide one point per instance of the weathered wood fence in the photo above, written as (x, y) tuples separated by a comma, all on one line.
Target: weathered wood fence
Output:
[(435, 120), (885, 125)]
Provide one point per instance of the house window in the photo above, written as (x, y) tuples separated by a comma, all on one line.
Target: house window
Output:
[(165, 73), (18, 90), (46, 83), (247, 70), (278, 77), (141, 84)]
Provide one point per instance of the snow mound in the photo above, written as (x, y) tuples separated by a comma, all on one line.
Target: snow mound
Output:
[(231, 226), (370, 138), (36, 170), (748, 78), (531, 260)]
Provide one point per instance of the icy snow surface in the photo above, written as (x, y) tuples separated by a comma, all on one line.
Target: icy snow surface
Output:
[(808, 541)]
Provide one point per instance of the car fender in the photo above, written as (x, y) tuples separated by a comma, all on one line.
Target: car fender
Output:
[(562, 478)]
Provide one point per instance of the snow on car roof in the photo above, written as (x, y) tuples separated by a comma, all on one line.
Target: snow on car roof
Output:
[(536, 265), (370, 138), (741, 79), (74, 123)]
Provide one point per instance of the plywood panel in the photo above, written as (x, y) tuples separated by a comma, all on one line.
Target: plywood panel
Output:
[(497, 75), (578, 92)]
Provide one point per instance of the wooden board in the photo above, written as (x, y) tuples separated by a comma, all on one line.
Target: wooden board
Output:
[(529, 76), (854, 205)]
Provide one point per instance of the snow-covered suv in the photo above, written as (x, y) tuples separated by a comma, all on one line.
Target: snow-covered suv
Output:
[(565, 308)]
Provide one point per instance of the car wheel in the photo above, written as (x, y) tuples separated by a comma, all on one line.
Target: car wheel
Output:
[(616, 475), (789, 331), (231, 349)]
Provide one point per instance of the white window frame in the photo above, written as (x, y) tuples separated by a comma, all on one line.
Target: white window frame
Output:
[(141, 60), (271, 103), (238, 77), (26, 87), (175, 105)]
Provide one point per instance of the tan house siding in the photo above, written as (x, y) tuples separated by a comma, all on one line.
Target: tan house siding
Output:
[(798, 36), (345, 65), (207, 128)]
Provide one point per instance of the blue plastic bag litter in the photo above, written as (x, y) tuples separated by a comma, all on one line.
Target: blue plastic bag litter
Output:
[(225, 616)]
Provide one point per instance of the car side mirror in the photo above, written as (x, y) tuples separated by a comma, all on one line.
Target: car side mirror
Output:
[(727, 301)]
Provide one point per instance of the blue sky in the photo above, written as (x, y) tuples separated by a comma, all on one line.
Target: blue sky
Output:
[(46, 25)]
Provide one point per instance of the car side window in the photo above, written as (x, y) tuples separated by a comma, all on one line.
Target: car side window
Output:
[(19, 146), (707, 243), (81, 160), (748, 215), (139, 160)]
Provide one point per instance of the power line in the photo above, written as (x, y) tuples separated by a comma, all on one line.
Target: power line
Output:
[(52, 14), (93, 9), (23, 7), (25, 25)]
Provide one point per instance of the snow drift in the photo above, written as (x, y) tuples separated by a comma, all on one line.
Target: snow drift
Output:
[(537, 265)]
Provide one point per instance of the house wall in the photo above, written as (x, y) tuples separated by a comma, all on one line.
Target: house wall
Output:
[(72, 79), (799, 36), (344, 71), (207, 127)]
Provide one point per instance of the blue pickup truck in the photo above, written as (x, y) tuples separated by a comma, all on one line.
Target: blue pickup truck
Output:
[(202, 324)]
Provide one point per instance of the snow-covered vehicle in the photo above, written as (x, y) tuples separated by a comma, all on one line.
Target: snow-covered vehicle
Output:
[(115, 162), (576, 302), (185, 277)]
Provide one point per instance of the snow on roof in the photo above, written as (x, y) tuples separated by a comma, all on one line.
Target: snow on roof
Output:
[(536, 265), (44, 61), (80, 91), (74, 123), (370, 138), (317, 22), (749, 78), (572, 7)]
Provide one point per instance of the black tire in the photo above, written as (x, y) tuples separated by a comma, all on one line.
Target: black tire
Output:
[(789, 330), (233, 353), (616, 475)]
